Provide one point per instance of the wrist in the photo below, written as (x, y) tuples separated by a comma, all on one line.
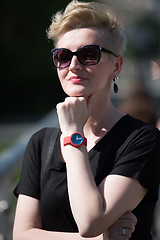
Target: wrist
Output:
[(70, 130), (76, 139)]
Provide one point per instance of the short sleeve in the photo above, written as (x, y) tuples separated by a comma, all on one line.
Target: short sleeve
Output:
[(139, 157), (29, 183)]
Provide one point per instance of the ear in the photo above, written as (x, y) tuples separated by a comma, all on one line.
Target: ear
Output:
[(118, 65)]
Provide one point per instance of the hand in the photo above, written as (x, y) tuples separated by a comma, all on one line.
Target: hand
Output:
[(126, 222), (73, 114)]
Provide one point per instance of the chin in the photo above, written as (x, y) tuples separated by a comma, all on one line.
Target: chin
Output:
[(75, 94)]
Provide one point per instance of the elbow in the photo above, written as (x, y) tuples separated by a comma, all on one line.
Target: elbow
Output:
[(90, 222), (90, 229), (88, 234)]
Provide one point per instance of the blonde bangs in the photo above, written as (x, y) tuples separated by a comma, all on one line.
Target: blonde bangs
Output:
[(89, 15)]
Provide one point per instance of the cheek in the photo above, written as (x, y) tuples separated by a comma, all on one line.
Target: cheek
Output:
[(103, 78), (101, 74), (61, 75)]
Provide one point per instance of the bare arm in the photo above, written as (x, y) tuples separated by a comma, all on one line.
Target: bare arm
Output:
[(117, 194), (126, 222), (28, 226)]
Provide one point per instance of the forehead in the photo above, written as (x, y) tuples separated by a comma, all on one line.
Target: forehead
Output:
[(79, 37)]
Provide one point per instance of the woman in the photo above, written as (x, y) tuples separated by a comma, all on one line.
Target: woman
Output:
[(105, 163)]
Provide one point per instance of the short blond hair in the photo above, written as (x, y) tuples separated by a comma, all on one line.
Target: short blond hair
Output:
[(89, 15)]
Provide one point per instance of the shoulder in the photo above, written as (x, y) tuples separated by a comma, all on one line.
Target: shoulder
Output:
[(139, 138), (143, 132), (35, 143), (39, 136), (138, 156), (137, 128)]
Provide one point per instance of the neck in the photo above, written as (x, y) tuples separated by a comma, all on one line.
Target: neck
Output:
[(103, 116)]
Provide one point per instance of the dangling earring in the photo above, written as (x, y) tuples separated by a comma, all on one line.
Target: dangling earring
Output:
[(115, 86)]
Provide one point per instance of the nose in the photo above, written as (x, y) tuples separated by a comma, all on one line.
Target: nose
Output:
[(75, 64)]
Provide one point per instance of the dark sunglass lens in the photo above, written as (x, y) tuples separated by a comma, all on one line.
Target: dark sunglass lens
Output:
[(89, 55), (62, 58)]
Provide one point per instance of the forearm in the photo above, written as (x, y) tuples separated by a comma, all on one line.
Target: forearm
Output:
[(35, 233), (94, 210), (85, 199), (28, 223), (83, 193)]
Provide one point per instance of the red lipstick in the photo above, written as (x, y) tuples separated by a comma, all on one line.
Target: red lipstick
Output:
[(77, 79)]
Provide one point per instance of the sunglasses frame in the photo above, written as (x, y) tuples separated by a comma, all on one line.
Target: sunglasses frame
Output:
[(101, 49)]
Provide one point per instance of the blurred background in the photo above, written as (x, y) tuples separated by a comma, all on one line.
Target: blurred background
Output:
[(30, 88)]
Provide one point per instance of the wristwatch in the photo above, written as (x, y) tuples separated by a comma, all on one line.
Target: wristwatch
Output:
[(76, 140)]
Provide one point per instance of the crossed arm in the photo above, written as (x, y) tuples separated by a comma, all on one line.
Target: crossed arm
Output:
[(28, 224), (117, 195), (95, 210)]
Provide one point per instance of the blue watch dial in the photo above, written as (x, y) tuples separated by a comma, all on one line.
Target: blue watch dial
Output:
[(77, 139)]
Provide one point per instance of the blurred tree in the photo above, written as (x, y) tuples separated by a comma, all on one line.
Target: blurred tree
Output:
[(29, 82), (144, 37)]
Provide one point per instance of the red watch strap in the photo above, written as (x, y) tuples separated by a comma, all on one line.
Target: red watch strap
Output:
[(84, 141), (67, 140)]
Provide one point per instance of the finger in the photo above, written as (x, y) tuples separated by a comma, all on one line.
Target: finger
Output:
[(133, 217), (126, 232), (119, 234), (129, 215), (59, 106), (69, 102), (70, 99), (74, 99), (81, 98), (127, 223)]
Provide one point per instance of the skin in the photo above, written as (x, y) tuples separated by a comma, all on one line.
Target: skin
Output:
[(94, 85), (88, 110), (89, 75), (28, 225)]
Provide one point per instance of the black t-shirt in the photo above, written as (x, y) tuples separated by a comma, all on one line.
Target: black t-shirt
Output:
[(131, 148)]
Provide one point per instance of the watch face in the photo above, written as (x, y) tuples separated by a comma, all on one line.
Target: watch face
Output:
[(77, 139)]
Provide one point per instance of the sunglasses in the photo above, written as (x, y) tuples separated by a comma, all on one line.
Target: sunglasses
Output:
[(87, 55)]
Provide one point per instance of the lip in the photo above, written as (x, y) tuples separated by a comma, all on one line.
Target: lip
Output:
[(77, 79)]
